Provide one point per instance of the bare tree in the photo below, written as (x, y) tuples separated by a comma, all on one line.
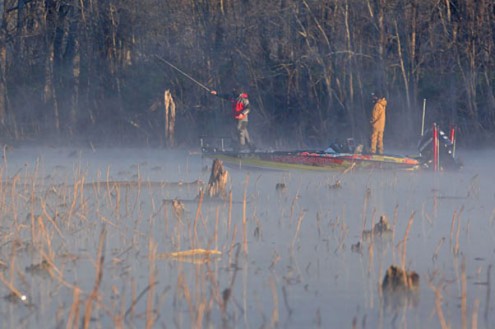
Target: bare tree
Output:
[(309, 65)]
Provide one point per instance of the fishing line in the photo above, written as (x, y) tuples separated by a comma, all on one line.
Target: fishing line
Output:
[(182, 72)]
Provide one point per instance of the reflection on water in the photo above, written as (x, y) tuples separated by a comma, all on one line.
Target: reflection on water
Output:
[(280, 250)]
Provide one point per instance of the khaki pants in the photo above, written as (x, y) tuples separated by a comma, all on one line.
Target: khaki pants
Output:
[(242, 133), (377, 141)]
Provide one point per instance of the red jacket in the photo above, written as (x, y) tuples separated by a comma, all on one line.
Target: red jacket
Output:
[(240, 107)]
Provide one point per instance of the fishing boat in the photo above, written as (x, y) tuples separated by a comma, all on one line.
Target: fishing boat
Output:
[(433, 147), (436, 151), (312, 160), (335, 157)]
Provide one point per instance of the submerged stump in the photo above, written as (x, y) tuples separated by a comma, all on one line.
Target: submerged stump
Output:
[(178, 207), (400, 288), (381, 229), (399, 279), (217, 185), (280, 187)]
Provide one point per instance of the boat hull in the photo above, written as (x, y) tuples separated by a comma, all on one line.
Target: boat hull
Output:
[(309, 160)]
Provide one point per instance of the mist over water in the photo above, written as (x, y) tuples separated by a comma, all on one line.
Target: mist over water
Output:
[(292, 256)]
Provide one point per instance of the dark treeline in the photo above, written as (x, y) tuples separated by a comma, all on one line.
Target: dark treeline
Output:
[(88, 68)]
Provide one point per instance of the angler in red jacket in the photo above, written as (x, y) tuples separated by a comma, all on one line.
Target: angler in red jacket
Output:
[(240, 112)]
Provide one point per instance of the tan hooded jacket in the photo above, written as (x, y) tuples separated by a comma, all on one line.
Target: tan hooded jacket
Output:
[(378, 115)]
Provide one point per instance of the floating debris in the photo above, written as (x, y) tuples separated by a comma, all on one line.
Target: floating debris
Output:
[(257, 233), (20, 246), (191, 252), (357, 247), (42, 268), (280, 187), (16, 298), (196, 256), (137, 183)]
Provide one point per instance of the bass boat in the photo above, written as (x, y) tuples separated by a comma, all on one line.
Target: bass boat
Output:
[(332, 158)]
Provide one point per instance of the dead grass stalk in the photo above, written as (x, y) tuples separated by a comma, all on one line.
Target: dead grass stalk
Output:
[(99, 275)]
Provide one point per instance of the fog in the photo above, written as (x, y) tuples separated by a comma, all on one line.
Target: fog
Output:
[(293, 253)]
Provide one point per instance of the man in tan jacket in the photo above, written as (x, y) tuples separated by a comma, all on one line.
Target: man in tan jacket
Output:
[(378, 115)]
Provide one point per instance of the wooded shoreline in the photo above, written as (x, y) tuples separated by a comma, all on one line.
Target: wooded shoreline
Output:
[(87, 70)]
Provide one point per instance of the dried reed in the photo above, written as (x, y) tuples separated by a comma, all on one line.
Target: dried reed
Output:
[(298, 228), (438, 304), (229, 218), (488, 291), (73, 317), (194, 241), (244, 219), (275, 313), (404, 243), (367, 195), (152, 256), (99, 275), (14, 291), (463, 294)]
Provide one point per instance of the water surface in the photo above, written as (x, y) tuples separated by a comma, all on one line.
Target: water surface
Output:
[(287, 259)]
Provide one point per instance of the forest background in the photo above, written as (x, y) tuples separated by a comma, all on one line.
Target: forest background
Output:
[(89, 70)]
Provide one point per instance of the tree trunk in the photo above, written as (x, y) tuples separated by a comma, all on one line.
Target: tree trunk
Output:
[(49, 94), (350, 107), (169, 118), (76, 72), (402, 60), (3, 67), (50, 98), (19, 40)]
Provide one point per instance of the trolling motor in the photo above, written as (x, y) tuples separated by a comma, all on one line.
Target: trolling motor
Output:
[(437, 150)]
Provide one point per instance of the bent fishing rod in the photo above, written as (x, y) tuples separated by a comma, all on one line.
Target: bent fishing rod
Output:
[(182, 72)]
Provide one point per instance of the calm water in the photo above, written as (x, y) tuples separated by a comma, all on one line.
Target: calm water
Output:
[(290, 264)]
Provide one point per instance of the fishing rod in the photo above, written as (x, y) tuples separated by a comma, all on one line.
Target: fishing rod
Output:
[(182, 72)]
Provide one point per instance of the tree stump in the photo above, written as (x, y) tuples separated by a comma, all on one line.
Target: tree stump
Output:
[(400, 289), (382, 229), (178, 208), (397, 278), (218, 180)]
